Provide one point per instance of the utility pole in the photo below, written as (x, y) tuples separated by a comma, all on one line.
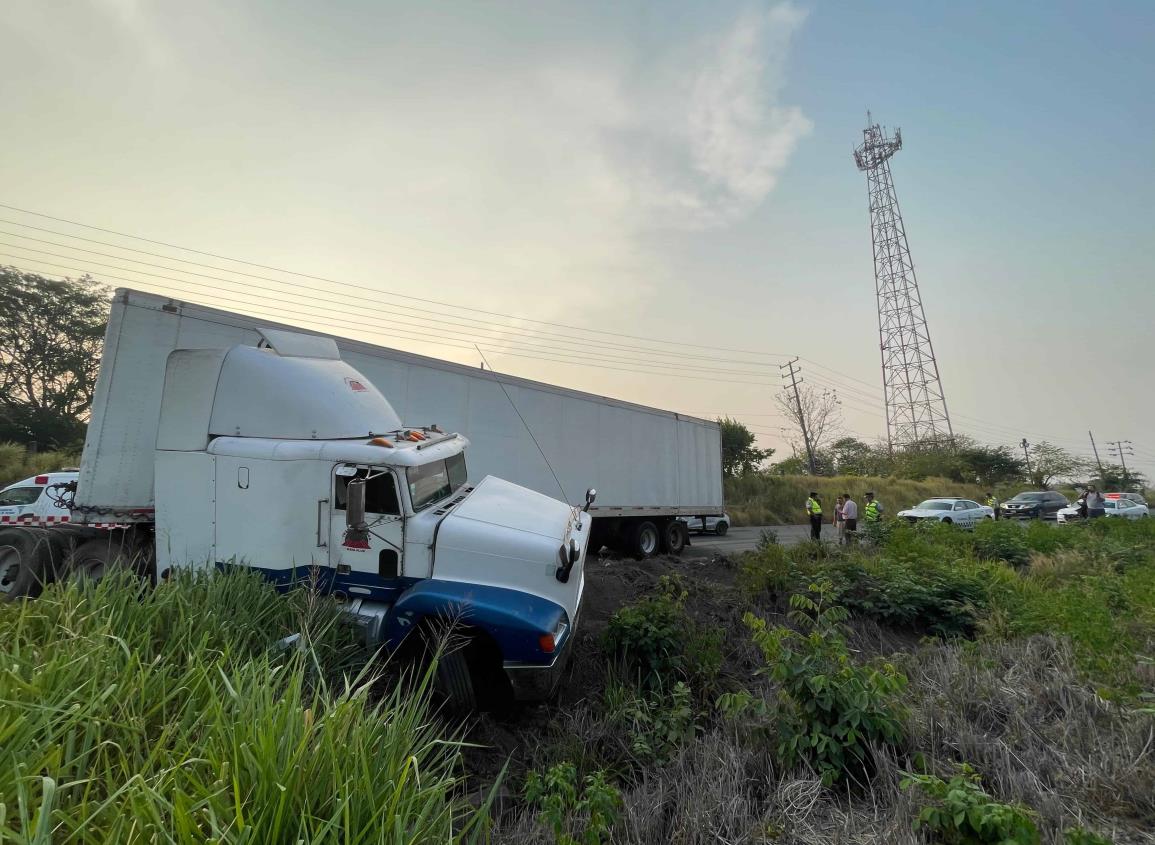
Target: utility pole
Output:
[(1095, 449), (794, 382), (1121, 448), (1027, 455)]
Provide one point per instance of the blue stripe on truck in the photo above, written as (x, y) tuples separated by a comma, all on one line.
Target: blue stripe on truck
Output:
[(516, 620)]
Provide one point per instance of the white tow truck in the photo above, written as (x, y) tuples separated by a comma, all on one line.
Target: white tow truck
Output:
[(283, 458)]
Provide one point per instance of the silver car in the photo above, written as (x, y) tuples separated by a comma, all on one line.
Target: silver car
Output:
[(707, 524)]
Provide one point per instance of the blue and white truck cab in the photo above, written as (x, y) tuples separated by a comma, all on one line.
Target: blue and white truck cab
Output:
[(285, 459)]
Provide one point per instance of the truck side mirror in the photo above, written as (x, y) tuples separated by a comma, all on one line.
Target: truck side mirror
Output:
[(591, 494), (355, 503)]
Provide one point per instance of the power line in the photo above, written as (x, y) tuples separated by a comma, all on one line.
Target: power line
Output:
[(437, 340), (518, 335), (378, 291), (387, 325), (355, 308)]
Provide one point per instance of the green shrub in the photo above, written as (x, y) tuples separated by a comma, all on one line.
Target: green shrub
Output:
[(931, 598), (658, 641), (1082, 836), (1005, 541), (656, 724), (650, 635), (831, 709), (962, 813), (769, 570), (16, 463), (574, 816)]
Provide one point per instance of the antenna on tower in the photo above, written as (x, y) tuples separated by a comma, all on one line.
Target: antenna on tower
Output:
[(916, 414)]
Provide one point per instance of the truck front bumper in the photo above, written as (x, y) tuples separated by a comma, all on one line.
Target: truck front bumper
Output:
[(535, 682)]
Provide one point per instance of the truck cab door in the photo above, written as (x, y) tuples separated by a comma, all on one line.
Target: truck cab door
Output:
[(372, 567)]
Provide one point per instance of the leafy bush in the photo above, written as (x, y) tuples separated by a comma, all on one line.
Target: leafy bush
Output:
[(650, 635), (1005, 541), (767, 537), (658, 641), (769, 570), (932, 598), (831, 709), (962, 813), (655, 724), (16, 463), (1082, 836), (591, 813)]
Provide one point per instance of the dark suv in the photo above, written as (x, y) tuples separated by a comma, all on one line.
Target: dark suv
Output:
[(1044, 504)]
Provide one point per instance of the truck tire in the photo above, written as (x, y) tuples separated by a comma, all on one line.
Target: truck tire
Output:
[(721, 528), (26, 562), (674, 537), (647, 540), (454, 681), (92, 559)]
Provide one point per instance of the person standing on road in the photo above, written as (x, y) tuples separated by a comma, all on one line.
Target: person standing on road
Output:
[(814, 511), (849, 520), (873, 510), (1095, 506), (837, 520), (994, 504)]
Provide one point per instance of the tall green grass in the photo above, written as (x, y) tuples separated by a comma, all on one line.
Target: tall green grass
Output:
[(176, 716), (16, 463)]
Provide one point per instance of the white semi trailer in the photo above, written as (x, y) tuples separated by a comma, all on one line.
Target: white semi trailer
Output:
[(650, 467), (226, 442)]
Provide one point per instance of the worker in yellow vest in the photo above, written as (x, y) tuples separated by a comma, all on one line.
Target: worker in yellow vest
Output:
[(873, 510), (814, 512), (994, 504)]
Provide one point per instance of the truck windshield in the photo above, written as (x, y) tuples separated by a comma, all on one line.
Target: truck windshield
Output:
[(436, 481), (20, 495)]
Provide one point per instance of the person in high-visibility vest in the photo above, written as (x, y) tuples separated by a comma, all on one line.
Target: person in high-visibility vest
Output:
[(814, 511), (994, 503), (873, 510)]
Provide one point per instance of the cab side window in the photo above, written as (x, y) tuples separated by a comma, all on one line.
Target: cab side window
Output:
[(380, 492)]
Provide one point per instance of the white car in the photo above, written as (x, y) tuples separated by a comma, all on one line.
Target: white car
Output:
[(31, 499), (1125, 508), (963, 512), (707, 524)]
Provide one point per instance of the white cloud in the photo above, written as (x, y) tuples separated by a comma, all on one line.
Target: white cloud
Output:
[(703, 139)]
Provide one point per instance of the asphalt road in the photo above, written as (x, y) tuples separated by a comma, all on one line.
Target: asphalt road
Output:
[(739, 540)]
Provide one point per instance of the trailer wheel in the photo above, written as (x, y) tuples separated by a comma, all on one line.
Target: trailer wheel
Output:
[(91, 560), (646, 540), (26, 563), (674, 537)]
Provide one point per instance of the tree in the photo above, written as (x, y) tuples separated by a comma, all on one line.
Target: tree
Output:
[(821, 411), (1115, 477), (739, 454), (851, 456), (51, 333), (990, 465), (1050, 463)]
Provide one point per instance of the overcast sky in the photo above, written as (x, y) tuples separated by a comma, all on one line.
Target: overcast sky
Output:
[(677, 171)]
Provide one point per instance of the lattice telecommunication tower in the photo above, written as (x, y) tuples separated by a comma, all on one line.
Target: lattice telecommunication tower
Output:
[(916, 414)]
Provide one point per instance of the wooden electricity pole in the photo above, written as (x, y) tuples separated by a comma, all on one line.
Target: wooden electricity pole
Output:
[(794, 382)]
